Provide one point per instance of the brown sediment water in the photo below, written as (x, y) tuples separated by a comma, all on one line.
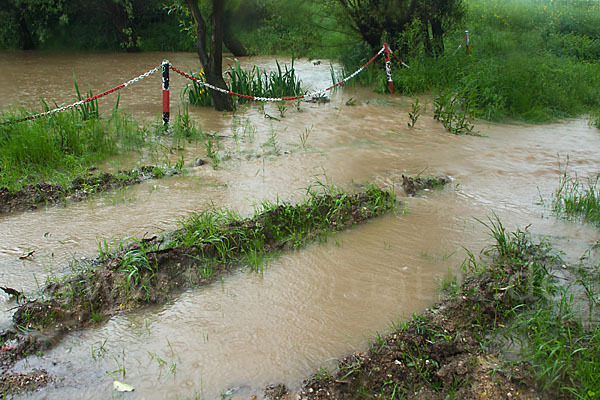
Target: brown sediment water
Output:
[(308, 306)]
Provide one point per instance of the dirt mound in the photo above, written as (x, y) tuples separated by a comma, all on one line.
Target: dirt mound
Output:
[(413, 185)]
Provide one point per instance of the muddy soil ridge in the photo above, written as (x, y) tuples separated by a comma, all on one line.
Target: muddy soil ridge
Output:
[(151, 270), (440, 354), (31, 197)]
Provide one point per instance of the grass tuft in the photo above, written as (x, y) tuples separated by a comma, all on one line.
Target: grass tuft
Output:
[(578, 197)]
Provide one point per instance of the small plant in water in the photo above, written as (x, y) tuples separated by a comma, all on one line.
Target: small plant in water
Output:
[(455, 113), (212, 152), (304, 136), (87, 110), (578, 197), (282, 108), (414, 114)]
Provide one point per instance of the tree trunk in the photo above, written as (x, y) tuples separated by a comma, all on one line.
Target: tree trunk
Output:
[(212, 63), (25, 39), (437, 31), (233, 43)]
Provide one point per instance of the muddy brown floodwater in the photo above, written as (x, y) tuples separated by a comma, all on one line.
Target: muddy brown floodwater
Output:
[(309, 306)]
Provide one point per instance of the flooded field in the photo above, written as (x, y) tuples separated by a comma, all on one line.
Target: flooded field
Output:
[(309, 306)]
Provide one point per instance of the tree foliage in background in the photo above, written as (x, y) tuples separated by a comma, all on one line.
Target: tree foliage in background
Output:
[(387, 20), (30, 20), (129, 25), (231, 11)]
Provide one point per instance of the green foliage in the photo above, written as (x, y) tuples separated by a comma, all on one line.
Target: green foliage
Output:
[(87, 110), (379, 21), (183, 128), (137, 269), (531, 61), (196, 93), (117, 25), (224, 236), (313, 28), (60, 146)]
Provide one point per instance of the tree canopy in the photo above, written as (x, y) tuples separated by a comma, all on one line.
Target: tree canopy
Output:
[(376, 19)]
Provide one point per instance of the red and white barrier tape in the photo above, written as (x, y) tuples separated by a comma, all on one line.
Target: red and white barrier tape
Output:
[(317, 93), (80, 102), (399, 59), (466, 39)]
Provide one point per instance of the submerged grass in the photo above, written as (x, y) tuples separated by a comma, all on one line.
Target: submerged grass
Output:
[(578, 197), (207, 245)]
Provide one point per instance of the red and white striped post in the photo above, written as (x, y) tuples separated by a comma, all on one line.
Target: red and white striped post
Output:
[(165, 92), (467, 42), (388, 67)]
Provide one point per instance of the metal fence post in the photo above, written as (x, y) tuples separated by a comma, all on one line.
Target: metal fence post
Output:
[(388, 67), (165, 92)]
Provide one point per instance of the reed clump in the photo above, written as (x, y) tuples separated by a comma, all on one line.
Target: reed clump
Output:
[(578, 197), (283, 82)]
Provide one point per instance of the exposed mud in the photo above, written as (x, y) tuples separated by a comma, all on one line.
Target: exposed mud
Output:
[(31, 197), (12, 383), (440, 354), (14, 346), (413, 185)]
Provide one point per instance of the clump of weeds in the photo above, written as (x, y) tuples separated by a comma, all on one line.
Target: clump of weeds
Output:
[(304, 136), (414, 113), (455, 113)]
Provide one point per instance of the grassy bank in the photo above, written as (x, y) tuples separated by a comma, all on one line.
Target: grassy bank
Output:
[(57, 149), (513, 302), (60, 147), (533, 61)]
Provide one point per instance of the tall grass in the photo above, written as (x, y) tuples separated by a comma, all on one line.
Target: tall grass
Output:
[(196, 93), (56, 148), (282, 82), (279, 83)]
